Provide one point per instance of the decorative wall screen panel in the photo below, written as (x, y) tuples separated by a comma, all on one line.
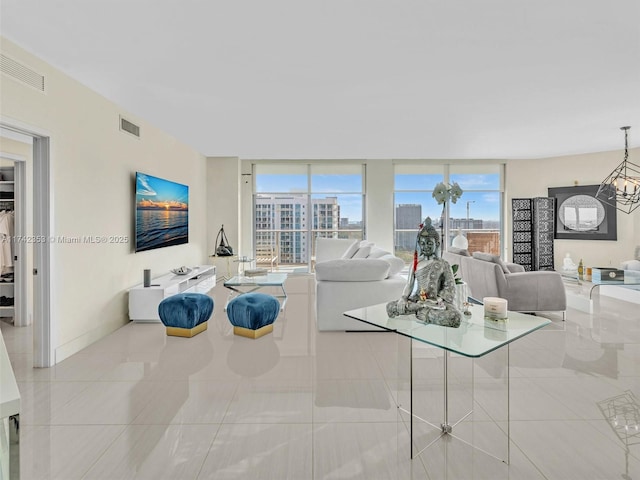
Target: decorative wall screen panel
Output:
[(543, 232), (533, 228), (522, 209)]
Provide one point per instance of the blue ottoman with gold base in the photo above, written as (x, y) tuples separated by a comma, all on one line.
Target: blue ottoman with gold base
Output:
[(185, 314), (252, 314)]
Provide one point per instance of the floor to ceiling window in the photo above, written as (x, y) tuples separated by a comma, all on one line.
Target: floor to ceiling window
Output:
[(476, 215), (297, 202), (413, 185)]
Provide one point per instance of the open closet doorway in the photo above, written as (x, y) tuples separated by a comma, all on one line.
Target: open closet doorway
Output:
[(40, 274), (15, 252)]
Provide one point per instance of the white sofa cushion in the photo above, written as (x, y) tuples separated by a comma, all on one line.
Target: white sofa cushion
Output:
[(335, 298), (353, 270), (395, 264), (377, 252)]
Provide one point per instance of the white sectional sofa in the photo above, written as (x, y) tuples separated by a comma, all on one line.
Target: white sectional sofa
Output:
[(351, 274)]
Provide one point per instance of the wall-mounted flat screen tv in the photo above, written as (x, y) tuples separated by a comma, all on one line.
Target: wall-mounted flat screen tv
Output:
[(162, 213)]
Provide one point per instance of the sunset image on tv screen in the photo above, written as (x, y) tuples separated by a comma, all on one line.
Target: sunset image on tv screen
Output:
[(162, 213)]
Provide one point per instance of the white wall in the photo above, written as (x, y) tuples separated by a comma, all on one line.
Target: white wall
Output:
[(245, 231), (531, 178), (92, 170), (380, 203), (223, 208)]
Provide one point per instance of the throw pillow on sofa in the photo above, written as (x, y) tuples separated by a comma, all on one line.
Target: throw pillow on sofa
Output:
[(353, 248), (396, 264), (330, 248), (354, 251), (487, 257), (363, 251)]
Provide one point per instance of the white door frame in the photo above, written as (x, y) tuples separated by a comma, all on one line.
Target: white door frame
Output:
[(44, 322)]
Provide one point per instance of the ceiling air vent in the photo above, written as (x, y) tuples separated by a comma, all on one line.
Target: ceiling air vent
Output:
[(21, 73), (127, 126)]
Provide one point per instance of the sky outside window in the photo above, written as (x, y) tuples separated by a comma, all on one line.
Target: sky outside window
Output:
[(336, 183), (484, 205), (281, 183), (346, 187)]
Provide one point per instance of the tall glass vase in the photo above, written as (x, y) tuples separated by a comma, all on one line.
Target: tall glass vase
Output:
[(462, 295), (444, 206)]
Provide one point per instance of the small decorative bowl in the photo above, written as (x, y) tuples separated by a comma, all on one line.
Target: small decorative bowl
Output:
[(181, 271)]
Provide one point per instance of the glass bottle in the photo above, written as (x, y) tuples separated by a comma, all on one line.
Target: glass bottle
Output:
[(580, 270)]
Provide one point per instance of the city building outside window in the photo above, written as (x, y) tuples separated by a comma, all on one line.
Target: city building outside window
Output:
[(476, 215), (413, 186), (296, 203)]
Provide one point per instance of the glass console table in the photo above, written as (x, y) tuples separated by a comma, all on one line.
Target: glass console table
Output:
[(472, 339), (241, 284)]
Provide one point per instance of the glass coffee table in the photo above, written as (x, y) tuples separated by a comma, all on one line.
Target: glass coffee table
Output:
[(580, 292), (631, 279), (472, 339), (241, 284)]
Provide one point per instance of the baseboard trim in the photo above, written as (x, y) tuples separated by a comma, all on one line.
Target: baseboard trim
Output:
[(83, 341)]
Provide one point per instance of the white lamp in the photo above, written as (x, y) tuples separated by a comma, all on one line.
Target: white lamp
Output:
[(460, 241)]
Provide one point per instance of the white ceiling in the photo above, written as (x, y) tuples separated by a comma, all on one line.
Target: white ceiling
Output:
[(355, 78)]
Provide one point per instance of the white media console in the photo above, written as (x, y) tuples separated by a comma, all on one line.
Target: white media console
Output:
[(144, 301)]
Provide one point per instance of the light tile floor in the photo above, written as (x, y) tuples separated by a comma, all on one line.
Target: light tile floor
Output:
[(299, 404)]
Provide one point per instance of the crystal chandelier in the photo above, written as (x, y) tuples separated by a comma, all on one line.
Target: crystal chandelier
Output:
[(621, 188)]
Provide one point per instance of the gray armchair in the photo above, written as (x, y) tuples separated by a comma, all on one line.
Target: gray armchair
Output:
[(540, 291)]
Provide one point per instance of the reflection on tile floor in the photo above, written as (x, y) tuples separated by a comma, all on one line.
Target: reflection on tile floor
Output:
[(300, 404)]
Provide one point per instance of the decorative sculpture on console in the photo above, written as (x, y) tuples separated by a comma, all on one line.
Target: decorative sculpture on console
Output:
[(568, 265), (431, 286)]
